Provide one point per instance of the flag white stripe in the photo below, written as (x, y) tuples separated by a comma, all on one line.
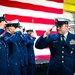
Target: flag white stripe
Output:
[(25, 12), (37, 26), (43, 3), (42, 51)]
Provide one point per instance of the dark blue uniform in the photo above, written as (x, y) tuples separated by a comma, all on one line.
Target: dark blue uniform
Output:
[(62, 60), (14, 53), (31, 56), (23, 52), (3, 55)]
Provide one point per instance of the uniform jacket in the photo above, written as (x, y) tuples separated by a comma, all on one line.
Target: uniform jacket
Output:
[(62, 61), (14, 52), (30, 50), (3, 55), (22, 40)]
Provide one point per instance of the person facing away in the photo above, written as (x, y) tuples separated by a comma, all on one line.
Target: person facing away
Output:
[(62, 47), (3, 47)]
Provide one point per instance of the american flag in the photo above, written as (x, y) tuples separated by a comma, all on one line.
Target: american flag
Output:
[(34, 14)]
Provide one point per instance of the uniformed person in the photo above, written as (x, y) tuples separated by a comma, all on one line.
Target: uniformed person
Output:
[(62, 47), (30, 52), (11, 37), (3, 47), (22, 40), (23, 53)]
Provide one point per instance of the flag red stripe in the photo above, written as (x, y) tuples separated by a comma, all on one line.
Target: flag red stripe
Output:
[(60, 1), (31, 6), (39, 57), (29, 19), (40, 32)]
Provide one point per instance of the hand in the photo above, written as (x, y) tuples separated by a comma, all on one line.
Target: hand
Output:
[(32, 34), (17, 29), (2, 25), (49, 30)]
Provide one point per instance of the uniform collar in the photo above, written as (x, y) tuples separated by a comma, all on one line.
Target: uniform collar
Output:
[(65, 35)]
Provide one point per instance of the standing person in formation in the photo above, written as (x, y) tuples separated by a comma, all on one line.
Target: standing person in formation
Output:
[(62, 47), (30, 52), (11, 37), (22, 40), (3, 47)]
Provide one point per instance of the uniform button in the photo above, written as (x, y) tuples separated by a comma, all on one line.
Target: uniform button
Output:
[(72, 48), (62, 56), (15, 63), (0, 47), (31, 54), (21, 60), (7, 54), (7, 59), (62, 51), (25, 43), (62, 61), (8, 64), (24, 54), (21, 36), (20, 55), (71, 52), (16, 44), (7, 48), (62, 46)]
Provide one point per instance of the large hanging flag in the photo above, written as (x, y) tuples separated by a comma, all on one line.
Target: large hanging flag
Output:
[(34, 14)]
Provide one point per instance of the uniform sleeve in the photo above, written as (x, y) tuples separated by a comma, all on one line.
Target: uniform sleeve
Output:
[(1, 31), (13, 38), (24, 37), (42, 42), (30, 41)]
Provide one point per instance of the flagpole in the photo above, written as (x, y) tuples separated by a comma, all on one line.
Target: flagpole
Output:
[(34, 27)]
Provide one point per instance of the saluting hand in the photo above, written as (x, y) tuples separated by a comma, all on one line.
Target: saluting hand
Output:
[(32, 34), (49, 30), (17, 29), (2, 25)]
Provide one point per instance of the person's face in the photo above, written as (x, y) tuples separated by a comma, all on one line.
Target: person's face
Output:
[(29, 32), (62, 29), (2, 24), (11, 29)]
